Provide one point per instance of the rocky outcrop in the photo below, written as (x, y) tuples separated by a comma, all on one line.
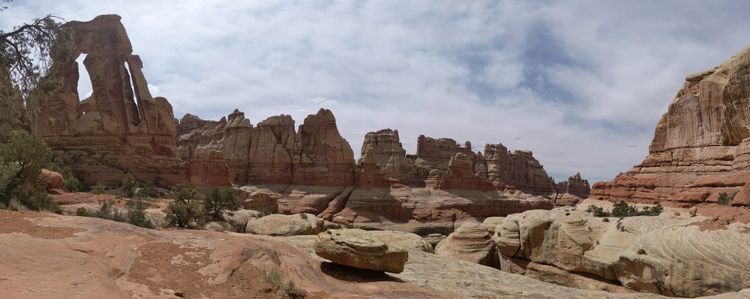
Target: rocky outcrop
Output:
[(121, 128), (657, 254), (286, 225), (700, 147), (470, 242), (270, 153), (575, 185), (496, 168), (359, 249)]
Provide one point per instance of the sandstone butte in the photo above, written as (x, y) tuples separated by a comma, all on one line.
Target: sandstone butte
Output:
[(700, 148)]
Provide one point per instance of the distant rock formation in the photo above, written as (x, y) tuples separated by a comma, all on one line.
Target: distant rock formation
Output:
[(497, 168), (273, 152), (121, 128), (700, 147), (575, 185)]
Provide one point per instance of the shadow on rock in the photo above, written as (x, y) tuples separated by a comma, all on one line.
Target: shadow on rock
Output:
[(350, 274)]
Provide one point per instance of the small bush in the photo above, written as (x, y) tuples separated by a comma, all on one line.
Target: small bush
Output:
[(108, 211), (136, 215), (185, 209), (622, 209), (285, 289), (83, 212), (22, 157), (218, 200), (725, 199), (98, 189), (72, 184), (148, 191), (128, 186)]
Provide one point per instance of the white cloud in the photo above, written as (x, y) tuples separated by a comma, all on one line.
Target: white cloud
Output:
[(582, 82)]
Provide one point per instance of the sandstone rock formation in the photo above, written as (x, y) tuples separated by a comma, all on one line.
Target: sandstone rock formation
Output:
[(121, 128), (700, 147), (51, 179), (575, 185), (286, 225), (273, 152), (357, 248), (470, 242), (497, 168), (674, 257)]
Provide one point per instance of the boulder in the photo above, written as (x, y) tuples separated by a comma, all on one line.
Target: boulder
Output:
[(360, 249), (156, 217), (471, 242), (218, 226), (286, 225), (51, 179), (239, 219), (403, 240)]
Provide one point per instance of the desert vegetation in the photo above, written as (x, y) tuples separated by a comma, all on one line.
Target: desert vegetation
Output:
[(622, 209)]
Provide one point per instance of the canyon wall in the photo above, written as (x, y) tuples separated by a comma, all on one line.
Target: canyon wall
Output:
[(700, 147)]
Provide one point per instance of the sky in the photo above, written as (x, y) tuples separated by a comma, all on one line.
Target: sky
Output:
[(581, 84)]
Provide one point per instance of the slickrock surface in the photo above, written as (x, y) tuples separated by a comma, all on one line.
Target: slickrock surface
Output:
[(470, 242), (121, 127), (470, 280), (53, 256), (360, 249), (700, 147), (661, 254)]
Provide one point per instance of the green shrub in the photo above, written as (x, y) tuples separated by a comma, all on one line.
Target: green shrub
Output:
[(22, 157), (148, 191), (622, 209), (284, 288), (128, 186), (725, 199), (83, 212), (98, 189), (108, 211), (136, 215), (72, 184), (218, 200), (185, 209)]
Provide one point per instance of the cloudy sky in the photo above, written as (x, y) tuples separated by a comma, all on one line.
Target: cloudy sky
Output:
[(580, 83)]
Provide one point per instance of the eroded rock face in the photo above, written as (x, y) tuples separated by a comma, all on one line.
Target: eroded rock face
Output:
[(471, 242), (235, 151), (360, 249), (650, 254), (700, 147), (121, 128), (497, 168), (575, 185)]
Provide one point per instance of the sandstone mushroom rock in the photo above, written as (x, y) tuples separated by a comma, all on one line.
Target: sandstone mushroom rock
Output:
[(360, 249), (470, 242), (286, 225), (700, 146)]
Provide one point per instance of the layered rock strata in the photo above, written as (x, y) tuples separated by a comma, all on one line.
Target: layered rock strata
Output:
[(700, 147), (575, 185)]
